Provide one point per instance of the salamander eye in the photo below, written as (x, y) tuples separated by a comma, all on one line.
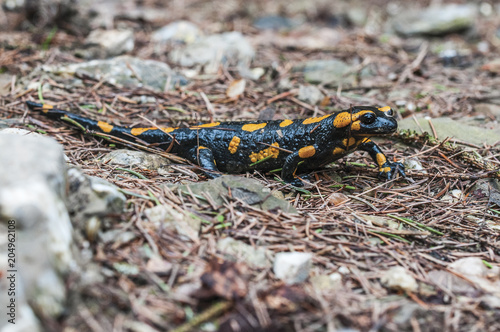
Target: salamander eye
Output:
[(389, 112), (368, 118)]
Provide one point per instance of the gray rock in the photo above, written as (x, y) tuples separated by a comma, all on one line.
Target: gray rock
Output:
[(292, 267), (5, 79), (435, 20), (143, 160), (310, 94), (400, 94), (275, 22), (250, 191), (488, 110), (212, 51), (240, 251), (332, 72), (124, 70), (179, 31), (487, 188), (32, 187), (109, 43), (357, 15), (446, 127), (91, 196)]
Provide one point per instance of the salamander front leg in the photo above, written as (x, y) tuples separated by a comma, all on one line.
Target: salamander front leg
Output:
[(205, 159), (387, 169)]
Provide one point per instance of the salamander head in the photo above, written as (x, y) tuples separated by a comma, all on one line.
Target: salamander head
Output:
[(367, 120)]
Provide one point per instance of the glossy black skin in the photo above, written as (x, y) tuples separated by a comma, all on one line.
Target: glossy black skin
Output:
[(208, 146)]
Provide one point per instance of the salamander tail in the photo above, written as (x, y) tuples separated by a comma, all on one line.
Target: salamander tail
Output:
[(86, 123), (48, 110)]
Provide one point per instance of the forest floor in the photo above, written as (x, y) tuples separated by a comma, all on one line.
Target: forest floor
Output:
[(410, 254)]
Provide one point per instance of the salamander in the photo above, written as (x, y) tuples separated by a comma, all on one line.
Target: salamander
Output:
[(295, 146)]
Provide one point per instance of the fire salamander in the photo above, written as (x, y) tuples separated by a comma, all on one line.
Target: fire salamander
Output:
[(234, 147)]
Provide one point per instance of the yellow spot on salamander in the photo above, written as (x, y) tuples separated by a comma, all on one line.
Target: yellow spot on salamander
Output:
[(46, 108), (314, 120), (349, 142), (206, 125), (253, 126), (381, 159), (233, 145), (285, 123), (201, 147), (138, 131), (104, 126), (338, 151), (385, 169), (343, 119), (384, 109), (307, 151), (270, 151), (356, 125)]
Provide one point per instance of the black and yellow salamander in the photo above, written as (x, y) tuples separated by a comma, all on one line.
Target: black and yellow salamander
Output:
[(296, 146)]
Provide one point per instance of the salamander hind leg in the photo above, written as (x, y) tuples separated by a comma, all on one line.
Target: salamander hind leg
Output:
[(205, 158), (292, 162)]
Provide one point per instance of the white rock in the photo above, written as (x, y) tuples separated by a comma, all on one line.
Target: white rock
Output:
[(162, 216), (414, 163), (398, 278), (292, 267), (180, 31), (32, 187), (26, 321), (19, 131), (240, 251), (214, 50), (454, 195), (310, 94), (482, 276), (327, 282), (344, 270), (114, 42), (474, 266)]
